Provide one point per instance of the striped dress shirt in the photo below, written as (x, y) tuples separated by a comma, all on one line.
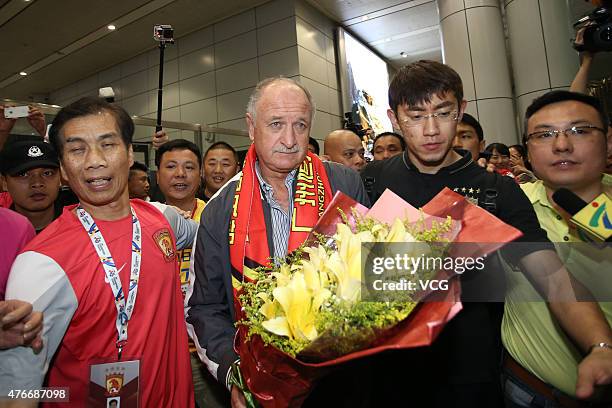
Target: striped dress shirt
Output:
[(281, 219)]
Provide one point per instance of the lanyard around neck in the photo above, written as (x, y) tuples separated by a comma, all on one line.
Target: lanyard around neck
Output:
[(124, 310)]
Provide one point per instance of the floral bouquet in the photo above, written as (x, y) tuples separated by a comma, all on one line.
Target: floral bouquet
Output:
[(305, 315)]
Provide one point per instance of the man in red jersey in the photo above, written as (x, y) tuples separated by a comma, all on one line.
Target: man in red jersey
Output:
[(103, 266)]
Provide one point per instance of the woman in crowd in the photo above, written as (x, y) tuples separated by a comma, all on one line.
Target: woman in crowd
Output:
[(520, 165)]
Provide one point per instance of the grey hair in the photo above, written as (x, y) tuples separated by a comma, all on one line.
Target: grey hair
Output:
[(256, 94)]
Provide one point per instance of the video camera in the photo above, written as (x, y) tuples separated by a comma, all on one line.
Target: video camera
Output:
[(349, 124), (597, 29), (163, 33)]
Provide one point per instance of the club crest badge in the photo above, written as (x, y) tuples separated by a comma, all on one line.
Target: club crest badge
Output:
[(114, 381), (35, 151), (164, 242)]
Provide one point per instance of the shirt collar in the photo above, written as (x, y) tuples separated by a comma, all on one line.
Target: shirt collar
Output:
[(536, 192), (462, 163), (267, 188)]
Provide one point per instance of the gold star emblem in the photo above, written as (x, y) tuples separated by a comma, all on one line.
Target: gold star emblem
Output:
[(455, 189), (463, 189), (477, 191), (471, 190)]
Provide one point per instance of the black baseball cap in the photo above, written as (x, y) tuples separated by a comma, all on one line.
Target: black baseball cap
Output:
[(23, 155)]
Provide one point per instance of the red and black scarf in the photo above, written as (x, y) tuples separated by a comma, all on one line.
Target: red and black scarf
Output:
[(248, 241)]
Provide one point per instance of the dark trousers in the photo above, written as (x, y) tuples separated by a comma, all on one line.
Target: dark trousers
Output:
[(209, 393), (460, 370)]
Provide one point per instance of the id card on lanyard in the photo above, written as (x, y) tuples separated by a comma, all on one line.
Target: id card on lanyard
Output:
[(108, 381)]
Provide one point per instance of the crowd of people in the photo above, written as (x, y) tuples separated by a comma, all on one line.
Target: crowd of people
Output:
[(80, 266)]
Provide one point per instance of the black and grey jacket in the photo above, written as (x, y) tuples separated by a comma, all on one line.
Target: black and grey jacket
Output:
[(210, 314)]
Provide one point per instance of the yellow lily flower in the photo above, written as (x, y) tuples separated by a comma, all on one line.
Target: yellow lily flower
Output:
[(311, 277), (398, 233), (297, 304), (278, 326), (349, 248), (348, 288), (283, 276), (269, 309), (317, 256), (317, 262)]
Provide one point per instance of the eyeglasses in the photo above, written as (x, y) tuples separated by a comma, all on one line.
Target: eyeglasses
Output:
[(575, 134), (439, 117)]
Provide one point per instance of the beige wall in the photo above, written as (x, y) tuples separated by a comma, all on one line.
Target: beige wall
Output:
[(317, 67)]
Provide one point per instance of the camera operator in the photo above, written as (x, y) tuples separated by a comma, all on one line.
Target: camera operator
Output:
[(594, 31), (599, 21), (579, 84)]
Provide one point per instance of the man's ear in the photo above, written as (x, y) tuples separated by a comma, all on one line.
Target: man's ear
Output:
[(462, 107), (529, 156), (393, 118), (250, 126), (63, 173), (131, 155)]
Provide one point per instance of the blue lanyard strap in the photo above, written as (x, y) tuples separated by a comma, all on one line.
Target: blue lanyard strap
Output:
[(124, 309)]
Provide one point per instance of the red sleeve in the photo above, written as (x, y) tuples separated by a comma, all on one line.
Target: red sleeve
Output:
[(5, 199)]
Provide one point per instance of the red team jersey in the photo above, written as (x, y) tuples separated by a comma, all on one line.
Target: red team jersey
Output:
[(79, 306)]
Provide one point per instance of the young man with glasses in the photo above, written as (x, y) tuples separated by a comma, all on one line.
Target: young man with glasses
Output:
[(461, 369), (566, 143)]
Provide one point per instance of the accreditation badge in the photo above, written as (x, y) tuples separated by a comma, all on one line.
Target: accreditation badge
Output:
[(114, 385)]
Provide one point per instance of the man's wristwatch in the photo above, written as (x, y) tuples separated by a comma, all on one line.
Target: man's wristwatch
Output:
[(599, 345)]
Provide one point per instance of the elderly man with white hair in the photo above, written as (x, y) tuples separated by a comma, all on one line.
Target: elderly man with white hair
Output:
[(264, 199)]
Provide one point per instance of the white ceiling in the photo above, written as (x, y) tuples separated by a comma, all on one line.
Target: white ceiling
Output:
[(62, 41), (391, 26)]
